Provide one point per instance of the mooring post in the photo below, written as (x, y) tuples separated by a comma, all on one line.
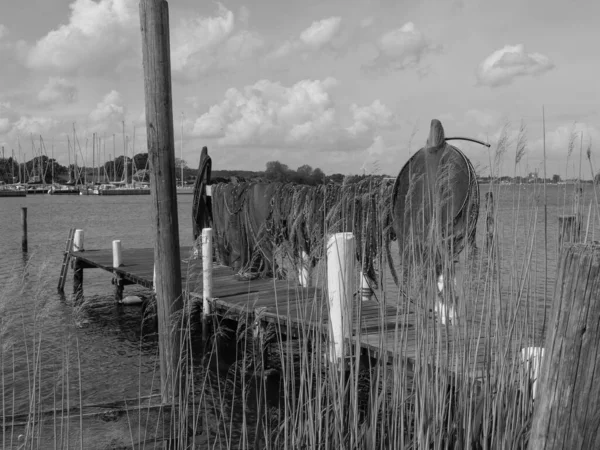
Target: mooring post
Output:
[(78, 241), (117, 262), (207, 280), (154, 23), (565, 413), (78, 267), (341, 253), (303, 270), (24, 228), (116, 251)]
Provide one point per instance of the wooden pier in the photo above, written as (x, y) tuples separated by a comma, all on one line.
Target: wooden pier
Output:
[(383, 329)]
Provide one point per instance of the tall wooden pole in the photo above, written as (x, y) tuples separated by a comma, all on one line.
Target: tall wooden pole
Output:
[(568, 392), (154, 21)]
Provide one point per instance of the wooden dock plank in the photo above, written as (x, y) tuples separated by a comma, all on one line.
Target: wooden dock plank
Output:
[(389, 329)]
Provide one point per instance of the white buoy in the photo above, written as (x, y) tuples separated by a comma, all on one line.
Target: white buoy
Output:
[(78, 241), (132, 300), (532, 357), (207, 267), (117, 258), (303, 271), (341, 256), (208, 190)]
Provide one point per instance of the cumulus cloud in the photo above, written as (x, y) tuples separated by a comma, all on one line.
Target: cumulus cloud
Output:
[(35, 125), (96, 35), (401, 49), (321, 34), (58, 90), (202, 44), (511, 61), (109, 112), (269, 114)]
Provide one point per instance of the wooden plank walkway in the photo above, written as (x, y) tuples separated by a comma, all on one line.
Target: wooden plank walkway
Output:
[(393, 329)]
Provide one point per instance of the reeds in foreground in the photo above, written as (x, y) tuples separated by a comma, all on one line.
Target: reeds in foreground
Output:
[(252, 386)]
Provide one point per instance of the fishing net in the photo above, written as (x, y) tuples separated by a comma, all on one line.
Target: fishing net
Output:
[(256, 220)]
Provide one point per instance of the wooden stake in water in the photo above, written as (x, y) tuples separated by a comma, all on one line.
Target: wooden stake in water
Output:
[(78, 267), (341, 256), (24, 228), (154, 22)]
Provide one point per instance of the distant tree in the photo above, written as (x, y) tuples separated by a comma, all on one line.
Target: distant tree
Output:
[(305, 170), (318, 176), (277, 171), (555, 178), (597, 178), (141, 161)]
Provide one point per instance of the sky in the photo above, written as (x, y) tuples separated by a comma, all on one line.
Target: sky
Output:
[(344, 85)]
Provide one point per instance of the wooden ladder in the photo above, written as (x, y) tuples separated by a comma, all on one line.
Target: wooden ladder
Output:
[(65, 265)]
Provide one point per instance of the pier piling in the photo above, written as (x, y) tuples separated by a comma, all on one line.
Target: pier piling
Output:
[(154, 23), (24, 228), (341, 251), (117, 259), (568, 392), (78, 268)]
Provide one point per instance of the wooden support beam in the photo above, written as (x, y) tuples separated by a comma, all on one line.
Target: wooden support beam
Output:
[(566, 407), (154, 22)]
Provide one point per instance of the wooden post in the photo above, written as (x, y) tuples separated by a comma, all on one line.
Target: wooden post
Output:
[(78, 241), (566, 409), (341, 256), (24, 228), (154, 22), (116, 250), (303, 270), (207, 281), (78, 268), (117, 262)]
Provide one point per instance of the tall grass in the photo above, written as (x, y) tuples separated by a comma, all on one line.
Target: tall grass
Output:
[(407, 381)]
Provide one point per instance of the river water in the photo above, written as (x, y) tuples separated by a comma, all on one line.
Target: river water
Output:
[(40, 333)]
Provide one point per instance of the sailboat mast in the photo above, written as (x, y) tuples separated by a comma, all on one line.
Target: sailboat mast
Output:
[(181, 150), (93, 156), (52, 160), (124, 153), (133, 168), (114, 160)]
